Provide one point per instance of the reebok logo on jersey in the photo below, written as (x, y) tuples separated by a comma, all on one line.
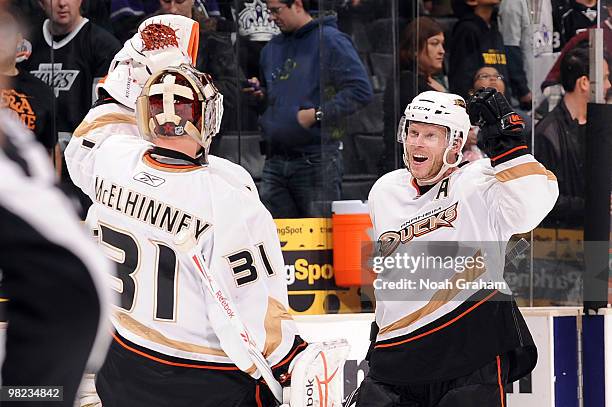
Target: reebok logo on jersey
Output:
[(443, 218), (149, 179), (54, 76)]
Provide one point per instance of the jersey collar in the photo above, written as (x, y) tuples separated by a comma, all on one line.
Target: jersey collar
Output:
[(171, 160), (423, 189), (59, 44)]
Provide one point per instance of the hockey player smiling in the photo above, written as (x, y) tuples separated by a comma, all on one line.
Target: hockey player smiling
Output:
[(425, 147)]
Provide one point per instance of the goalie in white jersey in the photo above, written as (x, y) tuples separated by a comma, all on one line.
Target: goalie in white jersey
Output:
[(169, 348), (458, 342)]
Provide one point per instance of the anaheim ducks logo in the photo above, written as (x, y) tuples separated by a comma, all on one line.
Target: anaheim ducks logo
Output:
[(460, 102), (444, 218)]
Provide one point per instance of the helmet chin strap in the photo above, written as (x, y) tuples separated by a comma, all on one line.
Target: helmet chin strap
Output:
[(445, 166)]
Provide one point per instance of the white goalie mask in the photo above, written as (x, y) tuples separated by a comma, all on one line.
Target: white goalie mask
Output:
[(180, 102), (443, 109), (161, 41)]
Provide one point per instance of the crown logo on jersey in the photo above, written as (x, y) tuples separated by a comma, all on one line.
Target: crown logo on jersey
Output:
[(56, 77), (254, 22)]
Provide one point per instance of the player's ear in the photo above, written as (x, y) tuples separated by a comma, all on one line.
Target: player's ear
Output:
[(456, 148)]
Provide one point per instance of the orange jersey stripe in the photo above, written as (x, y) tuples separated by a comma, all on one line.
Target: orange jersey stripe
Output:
[(508, 152), (194, 42), (452, 321), (167, 362), (290, 356), (499, 381)]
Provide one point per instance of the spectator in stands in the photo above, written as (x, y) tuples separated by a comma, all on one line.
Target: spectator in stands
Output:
[(476, 42), (515, 27), (581, 39), (311, 77), (206, 12), (559, 139), (98, 12), (570, 17), (70, 54), (21, 92), (486, 77), (255, 28), (127, 14), (489, 77), (421, 56)]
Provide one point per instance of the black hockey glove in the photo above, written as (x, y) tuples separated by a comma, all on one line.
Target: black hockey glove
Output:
[(501, 128)]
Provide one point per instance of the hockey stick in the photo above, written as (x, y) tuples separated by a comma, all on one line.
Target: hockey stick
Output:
[(186, 242), (516, 251)]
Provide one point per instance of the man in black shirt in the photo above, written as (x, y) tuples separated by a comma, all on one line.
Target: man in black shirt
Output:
[(71, 54), (24, 94), (560, 139), (82, 53)]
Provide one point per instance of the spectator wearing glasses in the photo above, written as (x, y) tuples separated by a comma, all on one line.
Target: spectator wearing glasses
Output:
[(311, 76), (486, 77), (489, 77)]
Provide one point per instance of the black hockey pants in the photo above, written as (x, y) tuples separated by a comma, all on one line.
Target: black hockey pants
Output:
[(482, 388)]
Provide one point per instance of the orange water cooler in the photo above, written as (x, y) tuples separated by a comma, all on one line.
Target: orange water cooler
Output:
[(352, 243)]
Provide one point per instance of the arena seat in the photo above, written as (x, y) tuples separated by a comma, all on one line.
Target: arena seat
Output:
[(242, 148), (369, 149)]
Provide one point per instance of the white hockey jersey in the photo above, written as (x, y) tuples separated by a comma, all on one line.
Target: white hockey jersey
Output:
[(476, 203), (115, 118), (140, 204)]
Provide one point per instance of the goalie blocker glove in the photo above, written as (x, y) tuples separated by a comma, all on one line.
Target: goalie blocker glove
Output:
[(501, 128)]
